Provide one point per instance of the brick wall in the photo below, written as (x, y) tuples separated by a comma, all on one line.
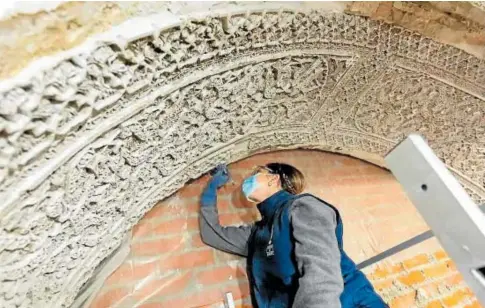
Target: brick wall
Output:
[(169, 266)]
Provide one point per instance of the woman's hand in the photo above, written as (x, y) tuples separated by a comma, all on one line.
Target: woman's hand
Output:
[(220, 175)]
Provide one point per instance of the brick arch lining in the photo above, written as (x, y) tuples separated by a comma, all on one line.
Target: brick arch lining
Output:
[(89, 146), (170, 266)]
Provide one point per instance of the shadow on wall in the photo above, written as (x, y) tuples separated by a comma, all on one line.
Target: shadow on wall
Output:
[(169, 265)]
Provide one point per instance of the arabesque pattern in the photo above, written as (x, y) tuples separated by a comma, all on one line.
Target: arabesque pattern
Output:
[(88, 147)]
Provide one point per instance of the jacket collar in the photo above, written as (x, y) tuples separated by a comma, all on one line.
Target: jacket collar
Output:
[(269, 206)]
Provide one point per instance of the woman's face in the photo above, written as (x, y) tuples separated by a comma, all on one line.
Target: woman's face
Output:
[(265, 184)]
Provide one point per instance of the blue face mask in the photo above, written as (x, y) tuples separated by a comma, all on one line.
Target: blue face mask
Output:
[(249, 186)]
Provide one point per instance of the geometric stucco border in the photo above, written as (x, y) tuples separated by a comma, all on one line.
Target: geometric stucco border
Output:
[(89, 146)]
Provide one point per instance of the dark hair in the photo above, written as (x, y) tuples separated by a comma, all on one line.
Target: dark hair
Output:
[(292, 180)]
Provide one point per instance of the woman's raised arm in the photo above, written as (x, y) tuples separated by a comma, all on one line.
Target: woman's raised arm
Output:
[(229, 239)]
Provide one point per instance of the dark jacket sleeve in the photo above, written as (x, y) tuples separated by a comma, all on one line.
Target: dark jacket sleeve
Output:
[(317, 254), (229, 239)]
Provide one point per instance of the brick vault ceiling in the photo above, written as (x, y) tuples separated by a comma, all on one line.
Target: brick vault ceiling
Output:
[(89, 146)]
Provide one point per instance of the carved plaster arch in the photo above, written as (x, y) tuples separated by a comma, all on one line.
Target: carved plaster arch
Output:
[(92, 144)]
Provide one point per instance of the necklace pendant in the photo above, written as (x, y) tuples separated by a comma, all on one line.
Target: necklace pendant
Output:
[(269, 250)]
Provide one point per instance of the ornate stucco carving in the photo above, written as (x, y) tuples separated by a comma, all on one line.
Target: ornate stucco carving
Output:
[(87, 147)]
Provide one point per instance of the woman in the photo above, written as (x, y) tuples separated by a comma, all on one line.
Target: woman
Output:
[(295, 254)]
